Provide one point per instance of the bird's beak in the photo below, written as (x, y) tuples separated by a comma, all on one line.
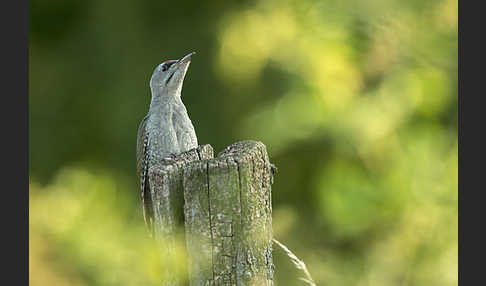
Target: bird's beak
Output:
[(185, 59), (180, 69)]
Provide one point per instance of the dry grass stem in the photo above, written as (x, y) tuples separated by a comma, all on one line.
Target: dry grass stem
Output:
[(299, 264)]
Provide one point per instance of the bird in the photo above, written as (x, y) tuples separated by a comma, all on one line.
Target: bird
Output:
[(166, 130)]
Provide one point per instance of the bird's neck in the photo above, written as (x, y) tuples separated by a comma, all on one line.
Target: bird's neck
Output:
[(162, 100)]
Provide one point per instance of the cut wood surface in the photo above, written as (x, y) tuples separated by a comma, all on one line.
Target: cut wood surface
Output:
[(227, 213)]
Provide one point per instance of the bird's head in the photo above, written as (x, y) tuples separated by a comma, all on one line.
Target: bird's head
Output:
[(168, 77)]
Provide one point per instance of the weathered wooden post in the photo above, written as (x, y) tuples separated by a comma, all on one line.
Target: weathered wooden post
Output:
[(227, 213), (165, 180)]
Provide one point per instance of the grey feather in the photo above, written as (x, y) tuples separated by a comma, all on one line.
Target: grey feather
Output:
[(142, 172)]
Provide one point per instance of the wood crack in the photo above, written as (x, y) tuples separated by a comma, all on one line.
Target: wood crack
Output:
[(210, 221)]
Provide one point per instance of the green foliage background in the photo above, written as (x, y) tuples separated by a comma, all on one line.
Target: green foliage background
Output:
[(355, 100)]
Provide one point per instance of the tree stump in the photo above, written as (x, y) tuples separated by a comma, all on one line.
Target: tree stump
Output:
[(227, 213)]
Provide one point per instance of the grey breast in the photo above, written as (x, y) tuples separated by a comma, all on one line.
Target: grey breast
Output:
[(185, 133)]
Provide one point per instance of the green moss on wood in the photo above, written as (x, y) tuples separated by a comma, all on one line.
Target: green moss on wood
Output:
[(227, 212)]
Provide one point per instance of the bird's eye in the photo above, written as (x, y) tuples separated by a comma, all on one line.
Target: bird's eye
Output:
[(166, 65)]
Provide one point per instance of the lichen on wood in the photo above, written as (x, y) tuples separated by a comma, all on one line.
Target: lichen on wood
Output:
[(227, 213), (165, 181)]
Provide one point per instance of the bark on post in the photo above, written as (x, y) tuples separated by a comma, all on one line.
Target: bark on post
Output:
[(227, 212)]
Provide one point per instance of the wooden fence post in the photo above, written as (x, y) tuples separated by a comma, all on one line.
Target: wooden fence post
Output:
[(227, 213)]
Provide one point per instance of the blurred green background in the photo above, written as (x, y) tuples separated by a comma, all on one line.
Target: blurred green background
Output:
[(356, 102)]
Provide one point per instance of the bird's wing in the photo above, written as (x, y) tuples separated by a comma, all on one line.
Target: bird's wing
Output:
[(142, 173), (141, 137)]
